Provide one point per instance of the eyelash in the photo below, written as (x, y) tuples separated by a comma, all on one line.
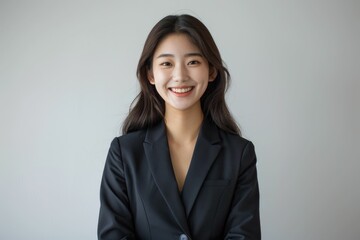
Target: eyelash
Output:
[(165, 64), (168, 64), (193, 62)]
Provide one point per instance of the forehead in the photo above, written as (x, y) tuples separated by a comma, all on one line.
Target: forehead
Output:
[(176, 43)]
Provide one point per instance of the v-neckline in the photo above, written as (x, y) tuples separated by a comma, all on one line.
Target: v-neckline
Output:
[(179, 165), (206, 150)]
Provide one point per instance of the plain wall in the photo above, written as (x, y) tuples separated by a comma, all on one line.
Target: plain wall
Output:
[(67, 78)]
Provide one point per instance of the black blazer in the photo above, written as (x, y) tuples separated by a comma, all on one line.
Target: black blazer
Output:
[(140, 198)]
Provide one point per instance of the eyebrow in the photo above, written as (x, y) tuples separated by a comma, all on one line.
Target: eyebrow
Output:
[(186, 55)]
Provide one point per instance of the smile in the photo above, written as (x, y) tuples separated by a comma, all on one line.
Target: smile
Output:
[(181, 90)]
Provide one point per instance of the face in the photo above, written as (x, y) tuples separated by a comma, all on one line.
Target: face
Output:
[(180, 72)]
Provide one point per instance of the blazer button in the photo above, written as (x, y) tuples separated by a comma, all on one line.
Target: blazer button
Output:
[(183, 237)]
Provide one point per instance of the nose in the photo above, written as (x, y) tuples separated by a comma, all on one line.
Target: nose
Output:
[(180, 73)]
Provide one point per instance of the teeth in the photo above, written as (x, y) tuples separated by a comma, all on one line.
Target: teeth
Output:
[(181, 90)]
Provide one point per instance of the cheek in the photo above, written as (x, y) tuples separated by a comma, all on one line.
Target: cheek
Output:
[(160, 83), (160, 77), (202, 73), (203, 77), (161, 88)]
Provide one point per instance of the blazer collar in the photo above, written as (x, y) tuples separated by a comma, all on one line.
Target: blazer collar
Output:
[(206, 150), (158, 156), (159, 161)]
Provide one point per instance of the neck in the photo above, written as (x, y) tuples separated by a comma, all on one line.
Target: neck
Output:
[(183, 126)]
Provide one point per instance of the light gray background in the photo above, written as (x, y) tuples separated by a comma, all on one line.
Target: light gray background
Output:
[(67, 77)]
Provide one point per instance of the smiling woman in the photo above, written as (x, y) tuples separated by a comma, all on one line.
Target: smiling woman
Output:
[(180, 73), (181, 170)]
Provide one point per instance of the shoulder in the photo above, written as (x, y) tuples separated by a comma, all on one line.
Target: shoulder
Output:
[(132, 138), (233, 139), (127, 146), (228, 140), (239, 147)]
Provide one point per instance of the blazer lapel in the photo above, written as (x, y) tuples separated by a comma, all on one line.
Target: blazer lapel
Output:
[(206, 150), (158, 157)]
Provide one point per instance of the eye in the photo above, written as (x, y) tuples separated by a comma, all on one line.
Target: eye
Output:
[(193, 62), (165, 64)]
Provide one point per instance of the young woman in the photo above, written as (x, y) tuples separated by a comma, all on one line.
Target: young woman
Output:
[(181, 170)]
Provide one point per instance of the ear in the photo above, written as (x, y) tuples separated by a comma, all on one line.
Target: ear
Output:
[(150, 77), (212, 74)]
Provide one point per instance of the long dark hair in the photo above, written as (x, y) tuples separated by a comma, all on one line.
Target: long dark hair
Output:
[(148, 108)]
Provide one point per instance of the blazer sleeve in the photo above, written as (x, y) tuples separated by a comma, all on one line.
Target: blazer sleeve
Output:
[(243, 221), (115, 218)]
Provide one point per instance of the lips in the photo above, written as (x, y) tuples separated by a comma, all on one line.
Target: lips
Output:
[(181, 89)]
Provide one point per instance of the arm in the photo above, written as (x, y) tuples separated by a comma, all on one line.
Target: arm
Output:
[(115, 218), (243, 221)]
